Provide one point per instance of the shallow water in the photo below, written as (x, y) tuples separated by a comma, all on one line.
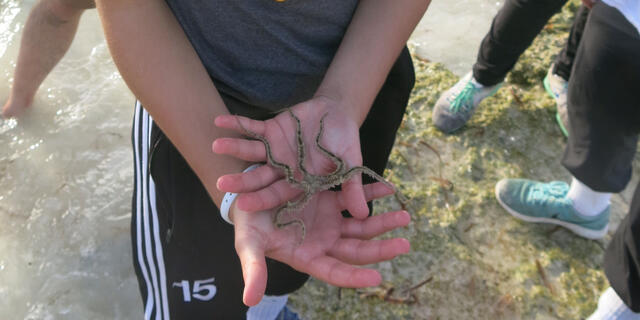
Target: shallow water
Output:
[(65, 180), (451, 31), (65, 183)]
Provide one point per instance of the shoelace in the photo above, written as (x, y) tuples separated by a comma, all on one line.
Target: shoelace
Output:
[(558, 92), (563, 85), (462, 100), (541, 193)]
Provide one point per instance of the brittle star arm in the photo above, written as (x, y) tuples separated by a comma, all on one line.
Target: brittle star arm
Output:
[(299, 143), (291, 206), (373, 174), (289, 176), (335, 159)]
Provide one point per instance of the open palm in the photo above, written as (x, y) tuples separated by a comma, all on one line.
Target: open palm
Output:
[(332, 249), (266, 187)]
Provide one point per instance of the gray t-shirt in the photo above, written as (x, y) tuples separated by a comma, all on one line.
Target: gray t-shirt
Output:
[(265, 53)]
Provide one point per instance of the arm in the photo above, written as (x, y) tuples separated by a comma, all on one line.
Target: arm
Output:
[(378, 32), (164, 72), (371, 45)]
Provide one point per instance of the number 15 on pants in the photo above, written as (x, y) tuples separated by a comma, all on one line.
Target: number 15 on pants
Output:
[(203, 290)]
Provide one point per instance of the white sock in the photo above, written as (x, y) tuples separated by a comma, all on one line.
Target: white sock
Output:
[(611, 307), (476, 83), (268, 308), (585, 200)]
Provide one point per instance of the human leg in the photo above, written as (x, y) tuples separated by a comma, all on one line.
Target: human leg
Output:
[(556, 82), (564, 61), (456, 105), (48, 33), (622, 257), (621, 301), (603, 104), (512, 31), (183, 251), (167, 256), (603, 113)]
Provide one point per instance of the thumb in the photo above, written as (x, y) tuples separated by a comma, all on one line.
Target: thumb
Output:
[(254, 270), (353, 195)]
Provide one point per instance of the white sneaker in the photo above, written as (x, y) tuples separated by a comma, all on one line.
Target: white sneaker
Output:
[(456, 105), (557, 88), (611, 307)]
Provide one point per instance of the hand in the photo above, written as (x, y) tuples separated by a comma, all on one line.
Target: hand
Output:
[(332, 248), (589, 3), (265, 188)]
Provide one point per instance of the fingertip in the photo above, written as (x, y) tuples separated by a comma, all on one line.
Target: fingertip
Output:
[(359, 213), (220, 184), (403, 218), (388, 188), (219, 121), (215, 145), (358, 209), (370, 278), (224, 184), (255, 276), (249, 299), (355, 198), (221, 145), (404, 245)]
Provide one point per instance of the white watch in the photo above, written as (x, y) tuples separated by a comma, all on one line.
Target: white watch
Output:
[(229, 197)]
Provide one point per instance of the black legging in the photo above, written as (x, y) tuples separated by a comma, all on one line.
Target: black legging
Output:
[(512, 32), (603, 97)]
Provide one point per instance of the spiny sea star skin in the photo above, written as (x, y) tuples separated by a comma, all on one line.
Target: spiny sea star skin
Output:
[(311, 183)]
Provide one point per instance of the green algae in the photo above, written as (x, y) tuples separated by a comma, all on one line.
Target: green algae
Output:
[(483, 263)]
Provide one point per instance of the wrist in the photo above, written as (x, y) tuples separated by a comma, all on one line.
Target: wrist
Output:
[(341, 104)]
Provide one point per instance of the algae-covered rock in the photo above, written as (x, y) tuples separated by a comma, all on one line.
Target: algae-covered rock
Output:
[(478, 262)]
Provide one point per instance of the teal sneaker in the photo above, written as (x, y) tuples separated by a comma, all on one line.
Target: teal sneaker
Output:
[(456, 105), (557, 88), (534, 201)]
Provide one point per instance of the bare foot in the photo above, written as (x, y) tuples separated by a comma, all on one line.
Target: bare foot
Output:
[(14, 107)]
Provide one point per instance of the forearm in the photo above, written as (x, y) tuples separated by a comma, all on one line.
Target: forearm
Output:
[(164, 72), (372, 43)]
